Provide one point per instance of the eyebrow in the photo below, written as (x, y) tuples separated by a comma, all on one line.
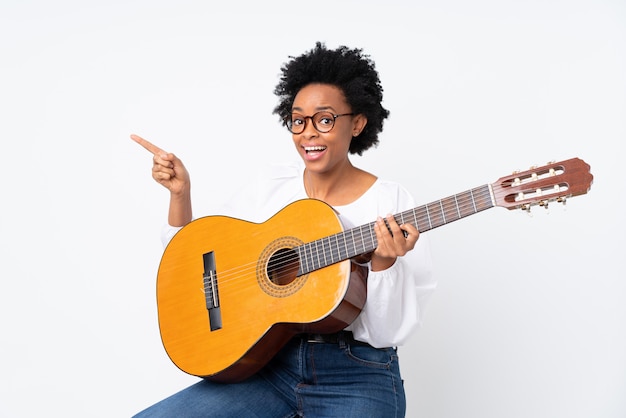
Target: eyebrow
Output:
[(317, 109)]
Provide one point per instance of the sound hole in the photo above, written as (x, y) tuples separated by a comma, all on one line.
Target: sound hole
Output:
[(283, 266)]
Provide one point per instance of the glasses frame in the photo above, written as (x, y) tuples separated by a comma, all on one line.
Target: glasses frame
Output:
[(289, 123)]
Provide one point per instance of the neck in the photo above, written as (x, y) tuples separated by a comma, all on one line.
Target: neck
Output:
[(328, 186)]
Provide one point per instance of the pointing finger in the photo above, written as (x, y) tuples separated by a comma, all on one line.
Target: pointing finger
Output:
[(147, 145)]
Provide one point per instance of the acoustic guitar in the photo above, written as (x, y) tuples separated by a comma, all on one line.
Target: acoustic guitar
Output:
[(231, 293)]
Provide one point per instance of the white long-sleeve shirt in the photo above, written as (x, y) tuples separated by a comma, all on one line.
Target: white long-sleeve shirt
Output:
[(396, 296)]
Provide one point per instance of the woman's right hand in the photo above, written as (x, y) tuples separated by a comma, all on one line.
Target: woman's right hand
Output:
[(167, 169)]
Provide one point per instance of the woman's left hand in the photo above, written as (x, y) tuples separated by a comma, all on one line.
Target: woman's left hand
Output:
[(393, 241)]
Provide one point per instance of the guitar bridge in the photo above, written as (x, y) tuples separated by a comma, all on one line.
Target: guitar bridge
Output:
[(211, 293)]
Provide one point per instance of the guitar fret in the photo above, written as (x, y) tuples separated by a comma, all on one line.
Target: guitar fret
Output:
[(415, 219), (353, 241), (436, 218), (473, 200), (312, 256), (430, 224), (374, 244), (420, 218), (331, 254), (305, 254), (317, 254), (464, 204), (303, 257), (366, 232), (363, 247), (450, 209), (443, 213)]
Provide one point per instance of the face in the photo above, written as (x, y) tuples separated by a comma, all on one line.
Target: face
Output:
[(324, 152)]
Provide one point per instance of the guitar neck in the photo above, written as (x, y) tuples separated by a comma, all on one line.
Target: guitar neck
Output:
[(362, 240)]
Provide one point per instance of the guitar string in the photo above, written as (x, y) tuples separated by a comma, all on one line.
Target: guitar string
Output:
[(483, 195), (239, 283), (284, 260), (226, 276), (229, 277)]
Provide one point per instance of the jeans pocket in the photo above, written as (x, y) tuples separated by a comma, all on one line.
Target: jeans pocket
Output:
[(380, 358)]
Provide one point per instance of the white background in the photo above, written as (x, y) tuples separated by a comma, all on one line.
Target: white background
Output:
[(529, 319)]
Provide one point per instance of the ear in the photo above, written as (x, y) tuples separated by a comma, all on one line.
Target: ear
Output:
[(358, 124)]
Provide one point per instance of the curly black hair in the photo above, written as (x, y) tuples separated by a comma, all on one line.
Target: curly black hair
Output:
[(348, 69)]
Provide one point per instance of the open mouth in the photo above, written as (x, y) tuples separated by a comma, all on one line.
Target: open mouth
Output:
[(314, 149)]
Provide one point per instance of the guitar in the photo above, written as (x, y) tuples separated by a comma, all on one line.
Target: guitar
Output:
[(231, 293)]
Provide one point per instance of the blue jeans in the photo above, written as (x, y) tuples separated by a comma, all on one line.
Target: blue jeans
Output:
[(305, 379)]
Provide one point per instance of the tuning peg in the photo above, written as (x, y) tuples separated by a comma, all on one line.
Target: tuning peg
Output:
[(526, 208)]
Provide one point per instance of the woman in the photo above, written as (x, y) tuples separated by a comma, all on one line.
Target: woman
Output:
[(330, 100)]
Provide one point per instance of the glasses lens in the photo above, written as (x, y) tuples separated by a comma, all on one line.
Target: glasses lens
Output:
[(296, 123), (323, 121)]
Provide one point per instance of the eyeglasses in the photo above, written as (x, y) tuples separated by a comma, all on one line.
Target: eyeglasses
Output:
[(322, 121)]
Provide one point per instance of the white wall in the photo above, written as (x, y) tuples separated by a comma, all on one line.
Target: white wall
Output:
[(529, 319)]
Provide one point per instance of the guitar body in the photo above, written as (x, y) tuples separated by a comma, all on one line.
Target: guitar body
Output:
[(260, 307)]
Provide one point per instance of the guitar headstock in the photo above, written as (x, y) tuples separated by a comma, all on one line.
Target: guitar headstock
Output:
[(541, 185)]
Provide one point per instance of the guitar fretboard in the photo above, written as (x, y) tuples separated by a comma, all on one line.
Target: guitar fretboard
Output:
[(362, 240)]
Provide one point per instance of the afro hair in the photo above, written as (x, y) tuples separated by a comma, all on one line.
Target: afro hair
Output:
[(348, 69)]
